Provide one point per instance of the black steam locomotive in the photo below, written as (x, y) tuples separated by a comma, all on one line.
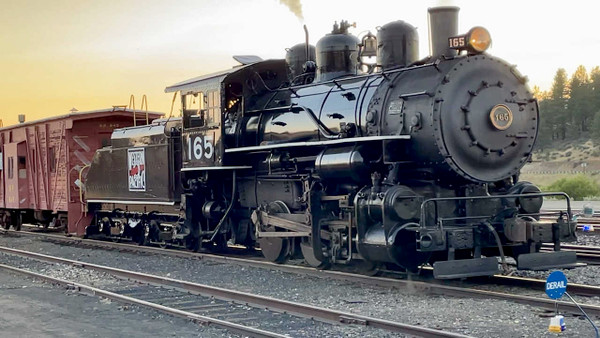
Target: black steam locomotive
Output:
[(404, 162)]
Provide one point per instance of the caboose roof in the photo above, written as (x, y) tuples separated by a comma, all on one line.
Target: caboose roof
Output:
[(86, 115)]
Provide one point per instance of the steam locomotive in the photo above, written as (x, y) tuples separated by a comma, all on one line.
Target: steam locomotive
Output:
[(403, 162)]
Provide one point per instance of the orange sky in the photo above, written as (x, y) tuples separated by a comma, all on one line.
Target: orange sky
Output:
[(87, 54)]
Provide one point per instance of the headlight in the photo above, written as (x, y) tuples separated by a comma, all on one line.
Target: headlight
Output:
[(477, 40)]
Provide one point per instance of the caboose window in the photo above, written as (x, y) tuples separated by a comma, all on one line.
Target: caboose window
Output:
[(22, 166), (11, 167)]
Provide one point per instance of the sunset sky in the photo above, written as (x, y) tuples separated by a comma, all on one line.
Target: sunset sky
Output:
[(87, 54)]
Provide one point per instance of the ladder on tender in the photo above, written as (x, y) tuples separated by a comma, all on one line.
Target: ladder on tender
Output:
[(131, 106)]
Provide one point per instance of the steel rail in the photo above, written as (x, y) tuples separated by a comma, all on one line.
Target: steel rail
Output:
[(432, 288), (230, 326), (578, 289), (305, 310), (532, 283), (585, 254)]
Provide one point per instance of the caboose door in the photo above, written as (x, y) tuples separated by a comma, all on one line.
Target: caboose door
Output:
[(16, 176)]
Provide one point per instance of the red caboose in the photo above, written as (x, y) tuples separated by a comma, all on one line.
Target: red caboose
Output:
[(43, 163)]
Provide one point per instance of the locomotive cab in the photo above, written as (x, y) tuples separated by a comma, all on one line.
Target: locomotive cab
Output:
[(213, 106)]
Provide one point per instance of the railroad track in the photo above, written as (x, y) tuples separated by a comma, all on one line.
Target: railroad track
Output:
[(446, 288), (212, 305), (593, 221), (585, 254), (124, 297)]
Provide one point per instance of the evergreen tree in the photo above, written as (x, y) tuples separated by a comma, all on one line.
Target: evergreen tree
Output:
[(596, 126), (579, 104), (556, 108), (595, 89), (545, 124)]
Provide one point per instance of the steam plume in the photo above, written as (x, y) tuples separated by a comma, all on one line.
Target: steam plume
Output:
[(295, 7), (444, 3)]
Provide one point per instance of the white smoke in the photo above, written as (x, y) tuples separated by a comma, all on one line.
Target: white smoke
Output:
[(295, 7), (444, 3)]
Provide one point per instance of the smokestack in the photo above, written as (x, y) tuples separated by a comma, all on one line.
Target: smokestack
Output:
[(21, 118), (443, 23)]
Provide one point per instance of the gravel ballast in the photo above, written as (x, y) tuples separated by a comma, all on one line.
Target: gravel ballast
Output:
[(476, 317), (34, 309)]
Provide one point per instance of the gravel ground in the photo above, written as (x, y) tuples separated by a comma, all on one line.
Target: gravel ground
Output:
[(275, 322), (589, 275), (34, 309), (480, 318), (590, 238)]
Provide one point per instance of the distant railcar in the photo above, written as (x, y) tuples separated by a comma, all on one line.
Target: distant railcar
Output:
[(42, 164)]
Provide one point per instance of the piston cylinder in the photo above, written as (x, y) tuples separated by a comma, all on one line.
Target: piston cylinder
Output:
[(341, 164)]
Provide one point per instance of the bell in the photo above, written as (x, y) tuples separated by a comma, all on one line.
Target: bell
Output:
[(369, 45)]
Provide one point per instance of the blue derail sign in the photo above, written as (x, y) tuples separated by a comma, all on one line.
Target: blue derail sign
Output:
[(556, 285)]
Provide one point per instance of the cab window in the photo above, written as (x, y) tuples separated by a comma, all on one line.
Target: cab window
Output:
[(202, 109), (213, 105), (194, 112)]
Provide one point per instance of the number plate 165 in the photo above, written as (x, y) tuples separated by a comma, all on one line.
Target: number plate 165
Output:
[(199, 147), (456, 42)]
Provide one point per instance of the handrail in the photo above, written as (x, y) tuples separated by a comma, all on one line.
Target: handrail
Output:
[(145, 100), (172, 104), (81, 201), (526, 195), (132, 106)]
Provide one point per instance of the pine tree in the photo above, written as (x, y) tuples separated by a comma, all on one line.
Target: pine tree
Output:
[(595, 89), (545, 127), (556, 108), (595, 100), (579, 104)]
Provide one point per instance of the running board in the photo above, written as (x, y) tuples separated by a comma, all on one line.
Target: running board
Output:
[(547, 260), (465, 268)]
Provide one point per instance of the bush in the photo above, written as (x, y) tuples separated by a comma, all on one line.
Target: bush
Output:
[(577, 187)]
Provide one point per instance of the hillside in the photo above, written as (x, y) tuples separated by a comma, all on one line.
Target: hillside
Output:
[(563, 159)]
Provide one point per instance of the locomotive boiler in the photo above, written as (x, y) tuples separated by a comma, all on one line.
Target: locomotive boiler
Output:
[(403, 162)]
